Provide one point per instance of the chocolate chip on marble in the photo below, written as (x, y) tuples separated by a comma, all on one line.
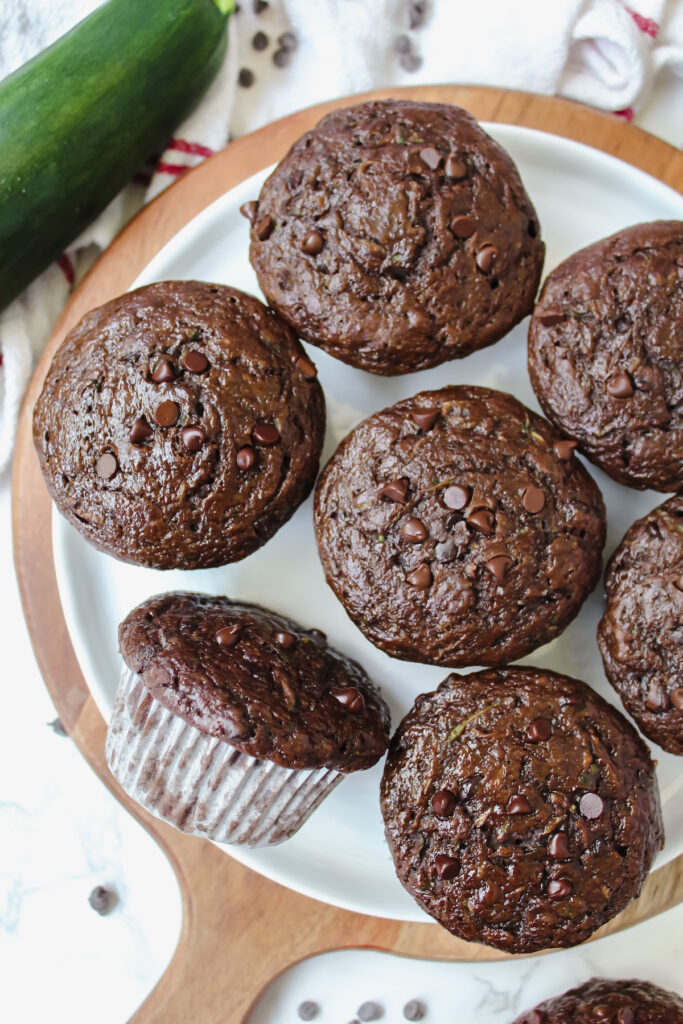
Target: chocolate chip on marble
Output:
[(282, 57), (260, 41), (351, 699), (455, 168), (486, 257), (245, 458), (414, 1010), (559, 889), (446, 867), (369, 1011), (194, 361), (620, 386), (591, 805), (263, 228), (413, 531), (482, 520), (444, 803), (308, 1010), (167, 414), (463, 226), (457, 497), (260, 6), (403, 44), (396, 490), (57, 727), (424, 418), (103, 900), (193, 438), (420, 578), (228, 635), (564, 449), (498, 566), (431, 157), (140, 431), (410, 62), (533, 500), (312, 243), (416, 14), (163, 372), (265, 434), (518, 805), (106, 466), (286, 640), (550, 317), (246, 78), (558, 846), (306, 367), (288, 41), (539, 730), (249, 210)]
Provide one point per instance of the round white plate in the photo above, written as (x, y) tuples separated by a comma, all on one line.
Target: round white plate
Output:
[(340, 855)]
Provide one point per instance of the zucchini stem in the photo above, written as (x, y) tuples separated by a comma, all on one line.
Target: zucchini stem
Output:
[(226, 7)]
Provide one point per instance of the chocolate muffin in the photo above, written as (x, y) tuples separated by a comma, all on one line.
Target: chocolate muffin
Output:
[(521, 810), (180, 425), (456, 528), (609, 1002), (641, 633), (234, 722), (397, 235), (606, 353)]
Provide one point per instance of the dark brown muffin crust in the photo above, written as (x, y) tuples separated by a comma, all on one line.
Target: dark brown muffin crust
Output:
[(257, 680), (520, 808), (180, 425), (455, 530), (606, 353), (609, 1002), (397, 235), (641, 633)]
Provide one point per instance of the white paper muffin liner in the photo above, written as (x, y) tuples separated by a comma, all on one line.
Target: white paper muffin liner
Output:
[(201, 784)]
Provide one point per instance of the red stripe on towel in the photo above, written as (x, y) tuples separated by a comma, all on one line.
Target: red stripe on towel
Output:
[(67, 268), (164, 168), (627, 113), (196, 148), (646, 25)]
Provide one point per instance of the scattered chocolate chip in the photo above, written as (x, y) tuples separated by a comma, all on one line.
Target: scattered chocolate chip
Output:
[(533, 499), (395, 490), (260, 41), (193, 438), (455, 168), (163, 372), (266, 434), (486, 257), (286, 640), (416, 14), (167, 414), (564, 449), (246, 78), (228, 635), (457, 497), (57, 727), (550, 317), (518, 805), (591, 805), (677, 698), (249, 210), (413, 531), (351, 699), (288, 41), (539, 730), (444, 803), (263, 228), (657, 699), (282, 57), (194, 361), (424, 418), (140, 431), (410, 62), (369, 1011), (446, 867), (421, 577), (559, 889), (414, 1010), (498, 566), (306, 367), (482, 520), (558, 846), (626, 1015), (106, 466), (318, 634), (308, 1010), (245, 458), (103, 900), (403, 44), (602, 1011), (430, 156), (620, 386), (260, 6), (468, 787), (312, 243), (463, 226), (535, 1017)]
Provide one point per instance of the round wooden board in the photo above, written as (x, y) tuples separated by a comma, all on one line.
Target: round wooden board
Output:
[(239, 930)]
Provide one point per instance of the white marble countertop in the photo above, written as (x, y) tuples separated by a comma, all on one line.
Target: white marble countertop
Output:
[(62, 834)]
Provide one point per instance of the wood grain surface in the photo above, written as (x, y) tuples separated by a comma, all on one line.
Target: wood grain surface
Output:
[(239, 930)]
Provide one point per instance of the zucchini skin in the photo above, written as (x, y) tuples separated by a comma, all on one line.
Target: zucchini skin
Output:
[(78, 120)]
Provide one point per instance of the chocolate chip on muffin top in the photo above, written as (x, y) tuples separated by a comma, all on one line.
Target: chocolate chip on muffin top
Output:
[(609, 1002)]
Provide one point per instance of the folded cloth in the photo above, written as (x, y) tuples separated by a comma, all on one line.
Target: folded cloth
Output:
[(603, 52)]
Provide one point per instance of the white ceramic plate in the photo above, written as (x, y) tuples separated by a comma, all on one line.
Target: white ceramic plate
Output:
[(340, 855)]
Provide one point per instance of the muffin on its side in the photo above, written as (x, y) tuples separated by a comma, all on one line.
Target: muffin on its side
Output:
[(609, 1002), (521, 810), (606, 353), (233, 722), (396, 235), (457, 528), (641, 633), (180, 425)]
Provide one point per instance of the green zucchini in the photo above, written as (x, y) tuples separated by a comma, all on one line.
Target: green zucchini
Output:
[(80, 118)]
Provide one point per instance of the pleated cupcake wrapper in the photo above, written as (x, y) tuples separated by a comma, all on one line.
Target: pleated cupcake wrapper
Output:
[(203, 785)]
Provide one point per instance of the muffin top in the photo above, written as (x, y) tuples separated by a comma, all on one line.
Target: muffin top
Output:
[(609, 1002), (521, 809), (641, 633), (397, 235), (180, 425), (456, 528), (606, 353), (256, 680)]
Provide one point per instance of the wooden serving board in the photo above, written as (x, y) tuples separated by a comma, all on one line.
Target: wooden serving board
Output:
[(239, 930)]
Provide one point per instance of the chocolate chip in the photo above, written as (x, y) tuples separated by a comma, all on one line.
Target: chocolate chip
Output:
[(591, 805), (369, 1011), (103, 900), (657, 699), (446, 867), (246, 77), (421, 577), (535, 1017), (260, 6), (308, 1010), (550, 317), (482, 520), (140, 431), (559, 889), (620, 386), (457, 497), (193, 438), (455, 168), (194, 362), (266, 434), (444, 803), (264, 228), (416, 14), (486, 257), (469, 787), (351, 699), (622, 324), (677, 698), (245, 458), (249, 210), (306, 367), (410, 62), (539, 730), (288, 41), (260, 41), (558, 846), (413, 531), (163, 372), (228, 636), (57, 727), (626, 1016), (564, 449), (463, 226), (533, 499), (414, 1010), (282, 57), (424, 418), (403, 44), (431, 157), (518, 805), (498, 566), (106, 466), (312, 243), (286, 640), (167, 414), (395, 490)]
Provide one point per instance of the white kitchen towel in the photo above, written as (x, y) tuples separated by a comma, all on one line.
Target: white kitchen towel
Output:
[(603, 52)]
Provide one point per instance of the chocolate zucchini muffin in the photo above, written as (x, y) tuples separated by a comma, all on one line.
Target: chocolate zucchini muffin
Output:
[(609, 1002), (396, 235), (456, 528), (234, 722), (521, 810), (641, 633), (606, 353), (180, 425)]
